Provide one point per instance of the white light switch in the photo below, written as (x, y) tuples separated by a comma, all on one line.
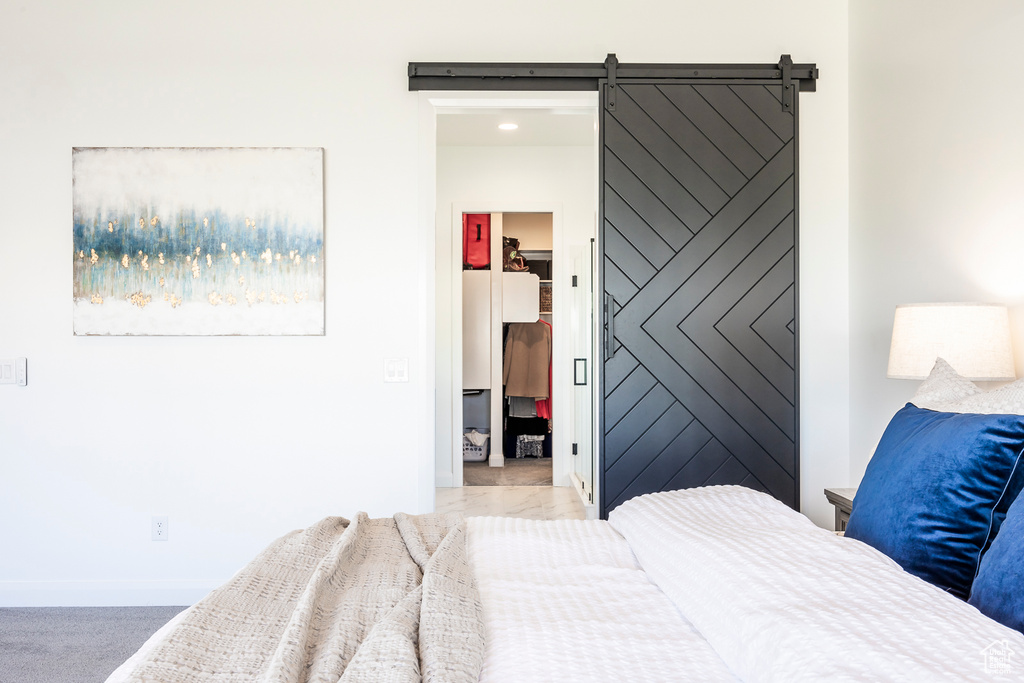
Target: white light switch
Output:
[(14, 371), (396, 369)]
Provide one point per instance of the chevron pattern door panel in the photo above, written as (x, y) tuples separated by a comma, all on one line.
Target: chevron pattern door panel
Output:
[(699, 199)]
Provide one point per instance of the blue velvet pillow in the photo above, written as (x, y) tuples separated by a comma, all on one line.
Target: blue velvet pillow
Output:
[(997, 588), (936, 490)]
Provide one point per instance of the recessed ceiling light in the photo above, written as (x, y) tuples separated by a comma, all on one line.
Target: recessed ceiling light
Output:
[(508, 126)]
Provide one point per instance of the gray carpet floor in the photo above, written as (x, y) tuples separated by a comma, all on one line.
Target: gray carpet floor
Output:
[(516, 472), (73, 644)]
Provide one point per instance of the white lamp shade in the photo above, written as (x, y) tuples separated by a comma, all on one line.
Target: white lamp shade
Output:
[(973, 338)]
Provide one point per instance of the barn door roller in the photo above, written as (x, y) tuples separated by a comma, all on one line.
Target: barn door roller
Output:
[(786, 72), (610, 64)]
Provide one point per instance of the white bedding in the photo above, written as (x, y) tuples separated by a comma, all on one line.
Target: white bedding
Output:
[(566, 601), (782, 600), (713, 584)]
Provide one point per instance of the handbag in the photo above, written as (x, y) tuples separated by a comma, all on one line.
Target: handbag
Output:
[(512, 260), (476, 241)]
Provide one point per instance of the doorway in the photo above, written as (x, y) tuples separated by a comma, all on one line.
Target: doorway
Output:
[(507, 359), (709, 139), (555, 174)]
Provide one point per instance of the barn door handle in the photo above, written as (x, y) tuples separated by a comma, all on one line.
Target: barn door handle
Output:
[(609, 316)]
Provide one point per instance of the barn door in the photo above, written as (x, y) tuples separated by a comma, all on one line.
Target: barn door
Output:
[(699, 199)]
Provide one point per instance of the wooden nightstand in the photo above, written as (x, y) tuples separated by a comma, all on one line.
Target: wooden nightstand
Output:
[(843, 500)]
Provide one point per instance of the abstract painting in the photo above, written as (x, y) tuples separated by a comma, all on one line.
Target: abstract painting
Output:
[(198, 241)]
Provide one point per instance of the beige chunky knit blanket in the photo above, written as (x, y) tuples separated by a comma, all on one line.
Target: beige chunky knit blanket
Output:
[(374, 600)]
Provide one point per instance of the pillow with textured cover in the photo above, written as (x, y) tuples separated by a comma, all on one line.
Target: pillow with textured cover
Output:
[(943, 388), (1006, 400), (936, 490), (997, 588)]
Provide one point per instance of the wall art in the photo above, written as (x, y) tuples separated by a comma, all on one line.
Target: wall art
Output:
[(198, 241)]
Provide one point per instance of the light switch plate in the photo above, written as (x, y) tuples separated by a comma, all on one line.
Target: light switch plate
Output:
[(7, 374), (21, 371), (396, 369)]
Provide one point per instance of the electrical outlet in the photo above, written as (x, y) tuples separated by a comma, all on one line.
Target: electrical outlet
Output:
[(396, 369), (160, 528)]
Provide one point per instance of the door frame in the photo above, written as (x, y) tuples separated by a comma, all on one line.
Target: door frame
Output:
[(559, 458), (447, 85), (445, 365)]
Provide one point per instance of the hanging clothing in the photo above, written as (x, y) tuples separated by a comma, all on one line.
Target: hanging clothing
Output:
[(519, 406), (544, 404), (527, 360)]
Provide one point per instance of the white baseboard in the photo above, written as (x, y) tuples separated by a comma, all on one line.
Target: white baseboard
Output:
[(102, 593), (589, 508)]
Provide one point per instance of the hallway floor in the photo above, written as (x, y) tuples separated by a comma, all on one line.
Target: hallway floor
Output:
[(528, 502)]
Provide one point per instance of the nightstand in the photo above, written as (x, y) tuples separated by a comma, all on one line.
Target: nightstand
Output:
[(843, 500)]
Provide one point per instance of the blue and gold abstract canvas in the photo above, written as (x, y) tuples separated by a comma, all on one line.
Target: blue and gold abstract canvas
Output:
[(198, 241)]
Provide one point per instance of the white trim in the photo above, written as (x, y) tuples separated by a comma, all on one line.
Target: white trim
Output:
[(427, 310), (589, 508), (562, 440), (496, 458), (454, 102), (431, 104)]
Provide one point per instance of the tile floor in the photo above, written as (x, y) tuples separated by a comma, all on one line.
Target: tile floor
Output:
[(528, 502)]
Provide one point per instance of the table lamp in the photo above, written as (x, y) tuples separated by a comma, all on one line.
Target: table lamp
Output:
[(973, 338)]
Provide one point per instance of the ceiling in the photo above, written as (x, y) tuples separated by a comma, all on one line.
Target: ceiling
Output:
[(537, 128)]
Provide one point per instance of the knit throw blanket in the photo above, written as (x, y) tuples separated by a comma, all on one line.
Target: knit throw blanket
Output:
[(374, 600)]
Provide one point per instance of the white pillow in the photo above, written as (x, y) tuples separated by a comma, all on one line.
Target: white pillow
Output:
[(943, 388), (948, 392), (1006, 400)]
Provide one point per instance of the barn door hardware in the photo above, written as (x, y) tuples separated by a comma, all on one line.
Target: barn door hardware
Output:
[(610, 65), (609, 333), (786, 71), (583, 77)]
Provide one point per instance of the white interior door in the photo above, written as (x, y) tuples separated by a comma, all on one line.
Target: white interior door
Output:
[(581, 318)]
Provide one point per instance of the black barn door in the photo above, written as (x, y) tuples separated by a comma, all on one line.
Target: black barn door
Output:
[(699, 198)]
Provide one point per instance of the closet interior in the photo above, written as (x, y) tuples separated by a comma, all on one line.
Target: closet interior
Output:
[(507, 347)]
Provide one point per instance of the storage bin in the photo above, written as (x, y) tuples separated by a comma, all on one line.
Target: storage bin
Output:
[(529, 445), (475, 446)]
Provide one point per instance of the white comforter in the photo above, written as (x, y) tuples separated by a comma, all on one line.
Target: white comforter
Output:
[(566, 601), (782, 600)]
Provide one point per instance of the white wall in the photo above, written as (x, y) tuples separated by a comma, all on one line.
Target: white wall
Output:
[(533, 230), (241, 439), (937, 207)]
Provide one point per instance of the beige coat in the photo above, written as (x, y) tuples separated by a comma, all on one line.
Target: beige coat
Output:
[(527, 357)]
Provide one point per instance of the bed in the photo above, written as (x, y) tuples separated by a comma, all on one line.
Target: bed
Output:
[(713, 584)]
